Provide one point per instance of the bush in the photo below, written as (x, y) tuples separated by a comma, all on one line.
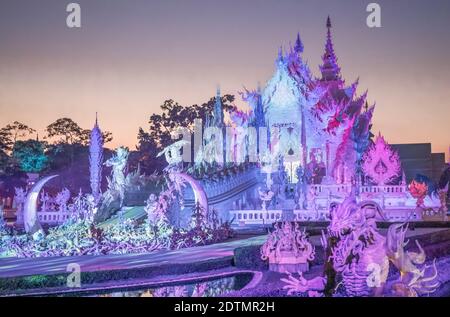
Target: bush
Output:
[(249, 257)]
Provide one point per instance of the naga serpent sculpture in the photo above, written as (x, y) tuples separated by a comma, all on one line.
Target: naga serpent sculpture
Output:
[(199, 193)]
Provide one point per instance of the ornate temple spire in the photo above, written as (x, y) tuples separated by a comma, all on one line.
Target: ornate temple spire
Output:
[(260, 120), (298, 45), (96, 159), (330, 68), (218, 120)]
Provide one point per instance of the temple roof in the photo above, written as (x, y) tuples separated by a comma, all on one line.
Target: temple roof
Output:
[(330, 69)]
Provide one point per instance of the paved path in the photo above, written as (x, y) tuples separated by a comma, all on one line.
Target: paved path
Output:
[(11, 267)]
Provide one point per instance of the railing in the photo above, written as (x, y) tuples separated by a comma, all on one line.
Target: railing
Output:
[(253, 217), (307, 215), (362, 189), (52, 217), (47, 217), (384, 189), (394, 215), (227, 183), (259, 217)]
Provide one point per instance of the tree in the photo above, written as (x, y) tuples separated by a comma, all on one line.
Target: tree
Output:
[(8, 137), (6, 166), (5, 146), (67, 130), (5, 140), (18, 130), (69, 140), (86, 136), (68, 135), (30, 156)]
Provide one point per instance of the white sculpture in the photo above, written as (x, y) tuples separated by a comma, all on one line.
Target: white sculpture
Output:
[(79, 207), (19, 200), (172, 153), (91, 208), (266, 196), (62, 198), (151, 209), (179, 178), (118, 163), (45, 200), (313, 287), (287, 249), (311, 201)]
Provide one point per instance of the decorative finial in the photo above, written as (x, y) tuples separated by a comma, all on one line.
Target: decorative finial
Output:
[(298, 44), (280, 53), (218, 91), (96, 118), (329, 22)]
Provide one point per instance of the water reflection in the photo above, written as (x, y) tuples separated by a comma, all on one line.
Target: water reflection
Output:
[(211, 288)]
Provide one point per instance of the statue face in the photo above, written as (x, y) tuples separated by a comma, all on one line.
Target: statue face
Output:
[(121, 152)]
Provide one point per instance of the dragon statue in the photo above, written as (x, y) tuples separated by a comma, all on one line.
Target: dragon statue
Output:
[(358, 258)]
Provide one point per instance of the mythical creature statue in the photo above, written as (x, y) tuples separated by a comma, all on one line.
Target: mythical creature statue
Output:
[(118, 163), (266, 196), (301, 188), (359, 256), (172, 153), (19, 201), (411, 276), (151, 207)]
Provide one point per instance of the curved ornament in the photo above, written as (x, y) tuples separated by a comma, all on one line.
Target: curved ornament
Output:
[(30, 218), (199, 192)]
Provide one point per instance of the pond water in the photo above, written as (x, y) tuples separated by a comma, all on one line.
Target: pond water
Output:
[(211, 287)]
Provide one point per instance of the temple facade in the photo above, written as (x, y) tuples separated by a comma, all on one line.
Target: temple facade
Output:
[(311, 147), (318, 125)]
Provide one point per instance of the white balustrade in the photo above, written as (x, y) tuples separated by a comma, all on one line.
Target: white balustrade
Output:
[(52, 217), (308, 215), (363, 189), (253, 217)]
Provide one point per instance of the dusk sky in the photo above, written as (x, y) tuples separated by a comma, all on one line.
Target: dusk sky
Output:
[(130, 56)]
